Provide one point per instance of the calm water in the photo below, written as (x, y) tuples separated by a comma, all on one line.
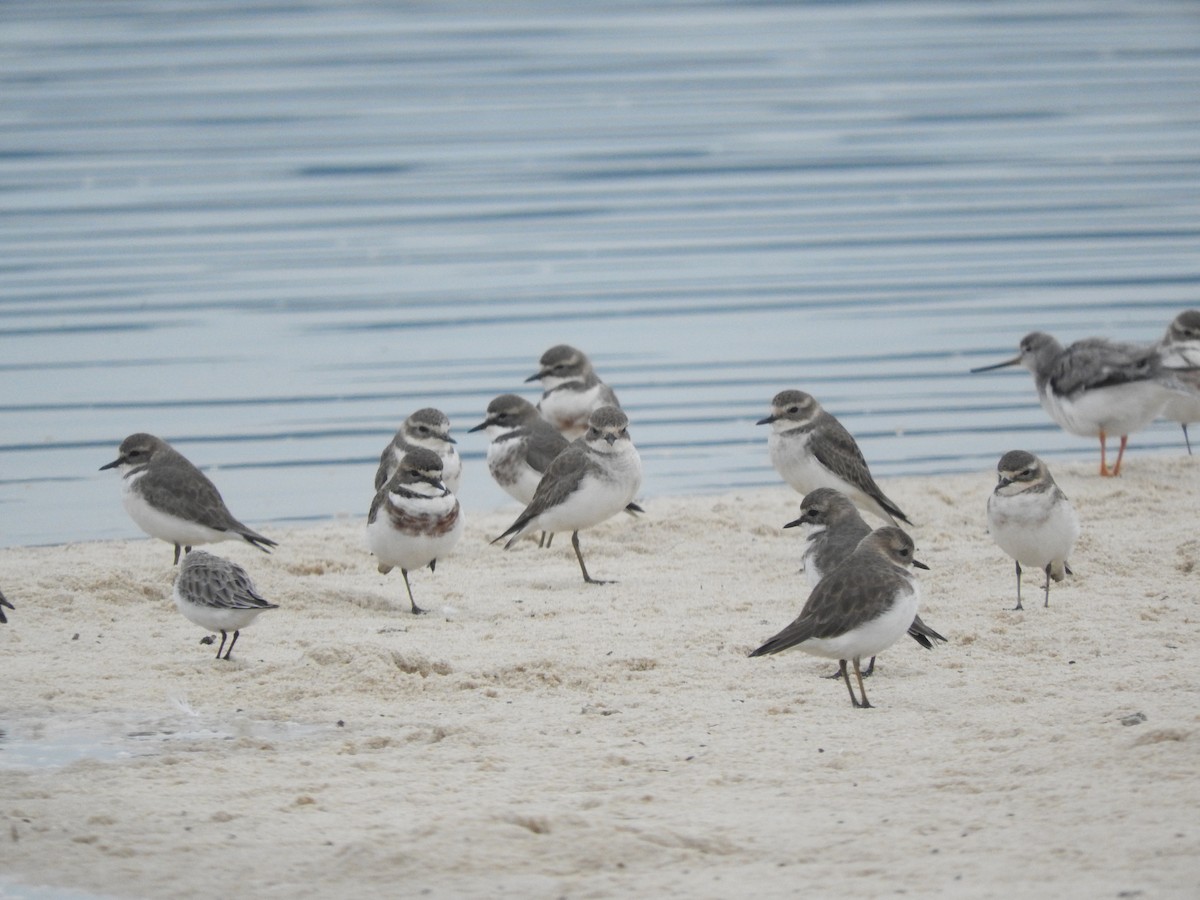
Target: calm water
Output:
[(268, 231)]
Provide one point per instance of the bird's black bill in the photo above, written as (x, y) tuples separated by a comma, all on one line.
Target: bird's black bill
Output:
[(111, 465), (999, 365)]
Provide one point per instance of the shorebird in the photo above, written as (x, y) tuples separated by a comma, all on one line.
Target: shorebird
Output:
[(428, 428), (523, 444), (571, 390), (591, 481), (414, 519), (810, 449), (1031, 519), (1095, 387), (1180, 350), (217, 595), (859, 609), (170, 499), (834, 531)]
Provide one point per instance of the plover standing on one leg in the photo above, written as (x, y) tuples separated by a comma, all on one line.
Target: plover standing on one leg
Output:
[(859, 609), (414, 519), (1031, 519), (1095, 387), (217, 595), (571, 390), (810, 449), (170, 499), (834, 531), (1180, 349), (428, 428), (592, 480)]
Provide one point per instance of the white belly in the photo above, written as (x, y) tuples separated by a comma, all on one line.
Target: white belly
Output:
[(216, 618), (506, 462), (875, 636), (1118, 410), (164, 526), (1031, 530), (408, 551)]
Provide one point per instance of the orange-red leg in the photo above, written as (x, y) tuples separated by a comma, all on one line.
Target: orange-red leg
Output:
[(1104, 473), (1120, 454)]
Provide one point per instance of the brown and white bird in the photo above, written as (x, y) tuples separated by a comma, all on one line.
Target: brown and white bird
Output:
[(170, 499), (859, 609), (571, 390), (428, 428), (1031, 519), (414, 519), (589, 482), (1096, 387), (1179, 350), (217, 595), (834, 530), (810, 449)]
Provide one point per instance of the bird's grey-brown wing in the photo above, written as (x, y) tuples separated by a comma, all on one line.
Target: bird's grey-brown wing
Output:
[(220, 584), (563, 477), (835, 448), (387, 464), (179, 488), (1096, 363), (543, 444), (859, 590)]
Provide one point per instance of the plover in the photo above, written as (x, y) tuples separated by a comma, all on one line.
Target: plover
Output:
[(859, 609), (810, 449), (1030, 519), (170, 499), (1180, 349), (523, 444), (592, 480), (834, 531), (414, 519), (571, 390), (217, 595), (3, 603), (1095, 387), (428, 428)]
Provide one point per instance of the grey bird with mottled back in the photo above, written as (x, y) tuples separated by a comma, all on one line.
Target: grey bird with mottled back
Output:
[(217, 595), (835, 529), (523, 445), (1031, 519), (414, 519), (571, 390), (859, 609), (428, 428), (811, 449), (170, 499), (1179, 351), (1096, 387), (591, 481)]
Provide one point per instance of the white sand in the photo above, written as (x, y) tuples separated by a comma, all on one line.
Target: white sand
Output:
[(536, 736)]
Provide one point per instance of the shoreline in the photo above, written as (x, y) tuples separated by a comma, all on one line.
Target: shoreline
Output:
[(534, 735)]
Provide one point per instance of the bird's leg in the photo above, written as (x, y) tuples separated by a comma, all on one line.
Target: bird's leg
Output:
[(546, 540), (416, 610), (1047, 603), (1186, 439), (231, 643), (1120, 453), (862, 689), (579, 555), (1104, 473), (222, 647), (846, 676), (177, 549), (1018, 606), (867, 672)]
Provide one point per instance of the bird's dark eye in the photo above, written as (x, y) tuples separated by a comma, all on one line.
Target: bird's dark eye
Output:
[(904, 551), (793, 409)]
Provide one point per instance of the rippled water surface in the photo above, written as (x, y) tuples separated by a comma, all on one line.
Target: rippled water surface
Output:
[(268, 231)]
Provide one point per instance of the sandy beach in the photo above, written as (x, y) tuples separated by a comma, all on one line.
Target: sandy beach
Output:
[(535, 736)]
